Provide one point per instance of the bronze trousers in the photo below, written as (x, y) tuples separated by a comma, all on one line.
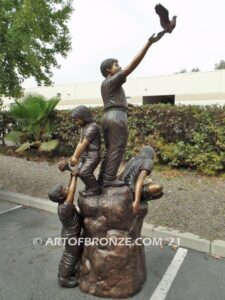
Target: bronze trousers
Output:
[(86, 168), (115, 133)]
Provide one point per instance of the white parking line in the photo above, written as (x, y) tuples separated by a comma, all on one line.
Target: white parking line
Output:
[(13, 208), (163, 287)]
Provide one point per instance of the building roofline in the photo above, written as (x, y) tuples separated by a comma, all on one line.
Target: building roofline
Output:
[(139, 77)]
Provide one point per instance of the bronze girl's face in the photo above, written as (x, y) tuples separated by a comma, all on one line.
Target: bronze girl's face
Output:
[(79, 122)]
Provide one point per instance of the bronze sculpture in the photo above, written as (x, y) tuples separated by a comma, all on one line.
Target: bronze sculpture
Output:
[(113, 265), (87, 153), (115, 112), (134, 175), (71, 222), (117, 210), (165, 22), (64, 165)]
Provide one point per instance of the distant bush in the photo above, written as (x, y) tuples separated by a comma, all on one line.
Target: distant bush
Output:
[(66, 133), (183, 136), (34, 124)]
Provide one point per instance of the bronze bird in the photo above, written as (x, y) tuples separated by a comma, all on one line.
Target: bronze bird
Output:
[(165, 22)]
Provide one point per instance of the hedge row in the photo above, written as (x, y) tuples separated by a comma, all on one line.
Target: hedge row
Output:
[(183, 136)]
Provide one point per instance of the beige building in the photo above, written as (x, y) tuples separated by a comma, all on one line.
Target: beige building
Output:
[(202, 88)]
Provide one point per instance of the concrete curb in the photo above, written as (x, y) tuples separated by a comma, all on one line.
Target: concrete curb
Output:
[(170, 236), (26, 200)]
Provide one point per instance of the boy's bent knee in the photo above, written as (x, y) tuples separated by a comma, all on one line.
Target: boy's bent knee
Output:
[(155, 188)]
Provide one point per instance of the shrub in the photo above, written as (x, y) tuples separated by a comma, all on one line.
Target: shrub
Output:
[(184, 136), (34, 123)]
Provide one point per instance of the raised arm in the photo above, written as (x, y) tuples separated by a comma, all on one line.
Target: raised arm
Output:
[(72, 188), (138, 58)]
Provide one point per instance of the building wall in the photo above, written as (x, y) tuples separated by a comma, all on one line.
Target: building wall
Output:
[(189, 88)]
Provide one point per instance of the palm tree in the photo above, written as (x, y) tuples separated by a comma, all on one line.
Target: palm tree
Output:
[(35, 125)]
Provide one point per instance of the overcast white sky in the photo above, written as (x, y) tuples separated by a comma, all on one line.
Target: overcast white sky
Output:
[(119, 28)]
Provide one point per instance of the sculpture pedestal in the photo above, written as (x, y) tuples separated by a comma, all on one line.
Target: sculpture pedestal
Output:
[(114, 265)]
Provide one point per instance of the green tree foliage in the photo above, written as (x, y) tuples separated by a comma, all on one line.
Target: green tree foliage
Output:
[(35, 125), (183, 71), (195, 70), (220, 65), (32, 33)]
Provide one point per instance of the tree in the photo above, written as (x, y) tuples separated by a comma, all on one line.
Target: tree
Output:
[(34, 123), (220, 65), (195, 70), (181, 71), (32, 33)]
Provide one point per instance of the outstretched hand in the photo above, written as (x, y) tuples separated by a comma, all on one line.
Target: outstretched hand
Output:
[(62, 165), (155, 38)]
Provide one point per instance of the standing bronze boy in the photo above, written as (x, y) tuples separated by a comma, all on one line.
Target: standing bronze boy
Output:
[(115, 117)]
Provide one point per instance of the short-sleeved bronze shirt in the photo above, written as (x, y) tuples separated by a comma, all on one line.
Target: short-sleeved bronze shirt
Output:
[(70, 220), (91, 132), (113, 94), (134, 167)]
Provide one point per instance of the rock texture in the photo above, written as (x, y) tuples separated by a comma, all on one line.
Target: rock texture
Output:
[(113, 266)]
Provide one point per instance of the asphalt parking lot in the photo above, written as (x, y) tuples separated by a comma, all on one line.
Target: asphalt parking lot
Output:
[(29, 271)]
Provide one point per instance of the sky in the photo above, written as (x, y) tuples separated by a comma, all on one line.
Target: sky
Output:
[(119, 28)]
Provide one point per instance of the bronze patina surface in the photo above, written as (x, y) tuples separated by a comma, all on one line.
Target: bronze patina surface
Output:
[(112, 269)]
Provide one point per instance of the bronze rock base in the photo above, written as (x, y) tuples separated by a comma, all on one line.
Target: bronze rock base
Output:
[(113, 266)]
